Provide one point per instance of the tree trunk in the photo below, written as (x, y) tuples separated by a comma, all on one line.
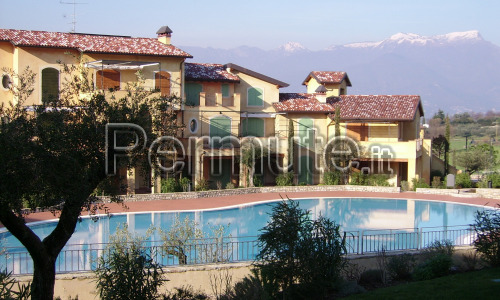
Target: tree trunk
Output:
[(44, 277)]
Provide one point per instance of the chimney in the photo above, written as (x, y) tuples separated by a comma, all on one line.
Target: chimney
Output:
[(321, 94), (164, 35)]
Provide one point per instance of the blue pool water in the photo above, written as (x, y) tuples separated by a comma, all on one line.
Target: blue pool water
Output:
[(353, 214)]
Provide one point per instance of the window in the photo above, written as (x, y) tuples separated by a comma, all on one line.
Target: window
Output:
[(192, 91), (108, 80), (6, 82), (193, 125), (162, 83), (225, 90), (50, 85), (220, 127), (255, 97), (253, 127)]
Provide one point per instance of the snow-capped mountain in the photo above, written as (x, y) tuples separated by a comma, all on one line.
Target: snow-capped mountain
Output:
[(455, 72), (292, 47), (419, 40)]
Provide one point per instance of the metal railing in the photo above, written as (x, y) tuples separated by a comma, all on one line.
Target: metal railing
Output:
[(84, 257)]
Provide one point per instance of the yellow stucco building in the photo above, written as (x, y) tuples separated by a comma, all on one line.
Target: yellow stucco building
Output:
[(227, 106)]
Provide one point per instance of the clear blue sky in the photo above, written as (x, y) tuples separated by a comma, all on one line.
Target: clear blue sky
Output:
[(266, 24)]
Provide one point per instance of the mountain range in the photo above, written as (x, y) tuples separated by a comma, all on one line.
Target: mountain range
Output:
[(454, 72)]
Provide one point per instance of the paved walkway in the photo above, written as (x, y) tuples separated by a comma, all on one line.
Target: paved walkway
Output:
[(217, 202)]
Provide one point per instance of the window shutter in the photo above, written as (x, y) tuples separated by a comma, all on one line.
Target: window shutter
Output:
[(50, 85), (108, 79), (162, 83), (255, 97)]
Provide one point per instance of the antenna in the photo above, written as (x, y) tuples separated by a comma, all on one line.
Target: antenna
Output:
[(74, 3)]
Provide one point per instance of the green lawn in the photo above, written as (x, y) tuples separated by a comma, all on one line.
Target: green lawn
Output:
[(471, 285)]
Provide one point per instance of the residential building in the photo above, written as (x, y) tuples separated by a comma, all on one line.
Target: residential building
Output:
[(386, 128), (226, 104), (114, 61), (228, 107)]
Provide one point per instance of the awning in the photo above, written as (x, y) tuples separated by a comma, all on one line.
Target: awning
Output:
[(120, 64)]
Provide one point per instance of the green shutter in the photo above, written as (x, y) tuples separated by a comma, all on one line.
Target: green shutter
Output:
[(225, 90), (305, 169), (192, 91), (255, 97), (220, 127), (306, 133), (253, 127), (50, 84)]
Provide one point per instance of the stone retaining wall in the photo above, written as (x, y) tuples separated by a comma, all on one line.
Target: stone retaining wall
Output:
[(243, 191), (471, 193), (489, 193)]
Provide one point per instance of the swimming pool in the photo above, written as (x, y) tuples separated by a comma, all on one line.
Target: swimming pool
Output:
[(371, 223)]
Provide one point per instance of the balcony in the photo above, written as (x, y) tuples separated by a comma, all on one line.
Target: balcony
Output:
[(393, 149), (216, 100)]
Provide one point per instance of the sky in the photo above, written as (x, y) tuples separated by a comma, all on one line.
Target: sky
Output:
[(266, 24)]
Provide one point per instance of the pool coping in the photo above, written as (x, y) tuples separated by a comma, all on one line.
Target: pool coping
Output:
[(251, 198)]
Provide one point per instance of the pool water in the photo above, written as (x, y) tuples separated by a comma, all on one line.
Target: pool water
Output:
[(353, 214)]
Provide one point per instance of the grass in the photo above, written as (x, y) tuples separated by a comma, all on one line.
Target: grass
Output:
[(470, 285)]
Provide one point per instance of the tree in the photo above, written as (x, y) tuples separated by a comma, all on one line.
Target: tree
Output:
[(251, 151), (299, 256), (439, 146), (291, 143), (54, 157), (439, 115), (447, 135), (477, 158)]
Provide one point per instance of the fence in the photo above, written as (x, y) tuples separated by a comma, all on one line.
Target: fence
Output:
[(84, 257)]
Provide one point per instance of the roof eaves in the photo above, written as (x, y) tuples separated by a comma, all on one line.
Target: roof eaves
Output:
[(256, 75)]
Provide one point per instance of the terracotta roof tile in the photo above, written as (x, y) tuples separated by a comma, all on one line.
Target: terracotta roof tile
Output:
[(325, 77), (354, 107), (91, 43), (301, 102), (377, 107), (208, 72)]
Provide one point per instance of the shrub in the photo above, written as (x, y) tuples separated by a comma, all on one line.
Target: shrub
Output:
[(184, 183), (437, 260), (401, 266), (299, 256), (230, 186), (331, 178), (435, 267), (369, 179), (201, 185), (435, 248), (437, 173), (284, 179), (419, 183), (487, 228), (249, 288), (372, 277), (436, 182), (463, 180), (257, 181), (11, 289), (126, 271), (169, 185), (185, 293), (405, 186), (494, 178)]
